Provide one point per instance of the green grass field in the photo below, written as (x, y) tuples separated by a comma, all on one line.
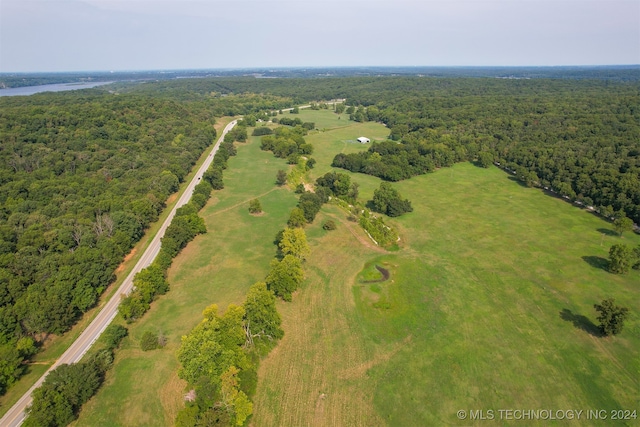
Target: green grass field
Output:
[(489, 304)]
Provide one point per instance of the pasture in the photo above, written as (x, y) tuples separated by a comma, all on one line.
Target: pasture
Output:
[(488, 304)]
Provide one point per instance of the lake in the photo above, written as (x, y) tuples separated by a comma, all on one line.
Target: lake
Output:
[(58, 87)]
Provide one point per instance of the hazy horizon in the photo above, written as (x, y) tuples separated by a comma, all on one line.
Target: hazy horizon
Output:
[(145, 35)]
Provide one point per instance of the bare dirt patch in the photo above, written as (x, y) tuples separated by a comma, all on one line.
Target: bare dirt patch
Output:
[(130, 255)]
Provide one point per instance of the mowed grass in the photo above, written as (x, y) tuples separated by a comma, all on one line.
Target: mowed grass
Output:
[(143, 388), (489, 306)]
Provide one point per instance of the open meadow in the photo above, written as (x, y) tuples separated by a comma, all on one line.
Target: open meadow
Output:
[(488, 304)]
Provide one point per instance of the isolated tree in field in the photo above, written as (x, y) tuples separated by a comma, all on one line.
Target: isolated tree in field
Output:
[(294, 242), (255, 207), (622, 224), (611, 316), (281, 177), (621, 258)]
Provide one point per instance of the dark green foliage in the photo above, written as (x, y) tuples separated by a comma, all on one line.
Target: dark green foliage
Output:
[(290, 122), (11, 367), (329, 225), (337, 183), (255, 207), (394, 162), (113, 335), (485, 159), (238, 133), (310, 203), (59, 399), (387, 200), (286, 141), (311, 162), (81, 177), (262, 130), (611, 316), (213, 175), (621, 258), (281, 177), (149, 341)]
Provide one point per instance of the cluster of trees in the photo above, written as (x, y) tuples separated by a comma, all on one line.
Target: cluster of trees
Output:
[(286, 273), (261, 131), (238, 133), (623, 257), (219, 359), (339, 185), (287, 143), (81, 176), (58, 400), (387, 200), (394, 162)]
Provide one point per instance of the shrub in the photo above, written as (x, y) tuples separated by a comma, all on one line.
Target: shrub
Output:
[(255, 207), (329, 225), (149, 341)]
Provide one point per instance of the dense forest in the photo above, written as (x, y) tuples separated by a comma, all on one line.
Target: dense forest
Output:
[(82, 174)]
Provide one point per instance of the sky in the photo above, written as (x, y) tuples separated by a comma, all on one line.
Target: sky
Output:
[(122, 35)]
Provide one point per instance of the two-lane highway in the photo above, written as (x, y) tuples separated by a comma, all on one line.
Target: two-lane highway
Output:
[(81, 345)]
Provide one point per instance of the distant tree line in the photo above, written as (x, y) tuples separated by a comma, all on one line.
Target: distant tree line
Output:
[(577, 137)]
